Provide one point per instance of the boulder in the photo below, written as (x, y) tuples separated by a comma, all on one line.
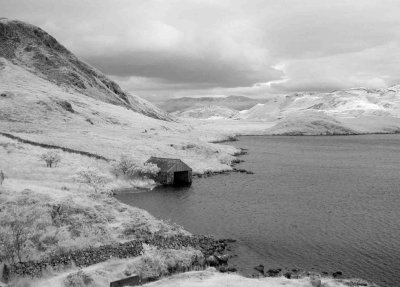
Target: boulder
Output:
[(232, 269), (337, 274), (288, 275), (223, 269), (260, 268), (273, 272)]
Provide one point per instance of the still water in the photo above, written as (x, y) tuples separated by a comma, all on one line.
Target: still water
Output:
[(315, 203)]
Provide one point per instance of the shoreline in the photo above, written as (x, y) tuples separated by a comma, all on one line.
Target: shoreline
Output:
[(66, 187), (290, 273), (237, 135)]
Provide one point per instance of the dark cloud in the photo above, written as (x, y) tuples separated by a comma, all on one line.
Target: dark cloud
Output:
[(173, 68), (185, 47)]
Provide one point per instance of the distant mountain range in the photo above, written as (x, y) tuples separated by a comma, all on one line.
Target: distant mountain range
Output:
[(208, 112), (232, 102), (350, 111)]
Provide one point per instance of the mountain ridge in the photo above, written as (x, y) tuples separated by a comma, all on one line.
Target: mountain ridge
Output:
[(184, 103), (38, 52)]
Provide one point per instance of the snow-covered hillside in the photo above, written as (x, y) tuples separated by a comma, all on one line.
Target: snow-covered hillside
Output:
[(208, 112), (353, 111), (185, 103)]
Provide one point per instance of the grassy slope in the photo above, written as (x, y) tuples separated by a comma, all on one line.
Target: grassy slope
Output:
[(104, 218), (32, 111), (31, 108)]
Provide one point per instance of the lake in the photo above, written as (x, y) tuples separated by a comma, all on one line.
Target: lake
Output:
[(314, 203)]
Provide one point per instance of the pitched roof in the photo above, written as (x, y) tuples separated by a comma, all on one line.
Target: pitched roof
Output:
[(165, 164)]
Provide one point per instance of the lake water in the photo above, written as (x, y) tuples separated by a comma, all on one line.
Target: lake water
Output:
[(315, 203)]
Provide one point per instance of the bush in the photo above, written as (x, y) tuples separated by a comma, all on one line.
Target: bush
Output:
[(132, 169), (93, 178), (52, 158), (21, 227), (160, 262), (78, 279)]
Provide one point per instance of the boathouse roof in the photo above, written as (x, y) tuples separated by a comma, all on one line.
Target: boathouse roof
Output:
[(169, 164)]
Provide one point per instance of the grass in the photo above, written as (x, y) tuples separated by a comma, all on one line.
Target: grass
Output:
[(78, 215)]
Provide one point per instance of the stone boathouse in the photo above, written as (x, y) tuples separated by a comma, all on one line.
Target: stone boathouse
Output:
[(172, 171)]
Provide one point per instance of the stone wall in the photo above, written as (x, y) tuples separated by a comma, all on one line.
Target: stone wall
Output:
[(89, 256), (207, 245), (49, 146), (79, 258)]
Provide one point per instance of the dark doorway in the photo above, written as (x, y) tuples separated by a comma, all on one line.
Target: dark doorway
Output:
[(181, 178)]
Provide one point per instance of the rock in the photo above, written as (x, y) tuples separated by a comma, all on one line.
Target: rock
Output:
[(273, 272), (66, 106), (254, 275), (288, 275), (222, 258), (223, 269), (232, 269), (337, 274), (212, 261), (230, 240), (260, 268)]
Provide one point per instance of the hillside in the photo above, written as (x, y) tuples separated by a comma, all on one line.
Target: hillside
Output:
[(232, 102), (48, 95), (354, 111), (36, 51), (54, 105)]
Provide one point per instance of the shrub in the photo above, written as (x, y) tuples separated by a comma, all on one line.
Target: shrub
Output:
[(21, 226), (93, 178), (159, 262), (52, 158), (138, 229), (132, 169), (78, 279)]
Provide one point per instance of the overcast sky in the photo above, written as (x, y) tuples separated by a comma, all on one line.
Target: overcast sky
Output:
[(167, 48)]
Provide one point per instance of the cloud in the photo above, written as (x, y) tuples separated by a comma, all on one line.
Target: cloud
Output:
[(184, 47), (375, 67)]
